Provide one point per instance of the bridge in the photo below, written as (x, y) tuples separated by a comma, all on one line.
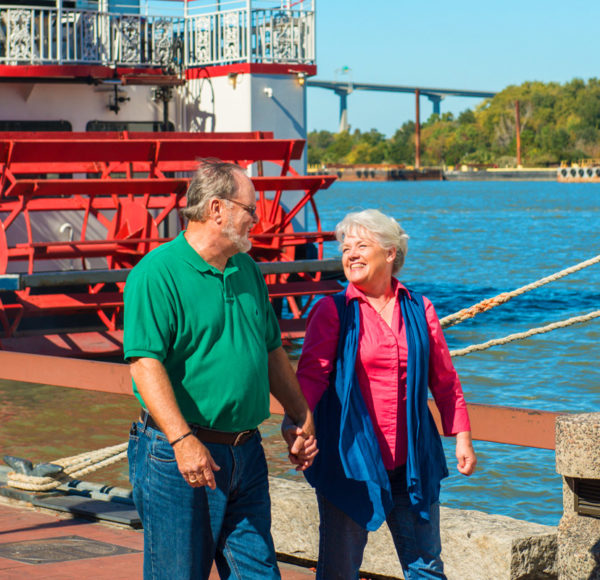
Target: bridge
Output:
[(435, 95)]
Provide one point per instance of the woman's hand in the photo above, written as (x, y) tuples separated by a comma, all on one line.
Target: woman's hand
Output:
[(467, 460)]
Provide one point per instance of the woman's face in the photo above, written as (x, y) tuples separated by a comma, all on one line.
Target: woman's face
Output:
[(366, 263)]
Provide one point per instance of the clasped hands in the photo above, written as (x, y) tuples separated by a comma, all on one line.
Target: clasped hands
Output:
[(301, 442)]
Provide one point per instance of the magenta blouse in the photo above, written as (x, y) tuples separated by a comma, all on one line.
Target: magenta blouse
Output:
[(381, 370)]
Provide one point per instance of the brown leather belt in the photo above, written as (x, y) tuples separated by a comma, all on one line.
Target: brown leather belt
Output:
[(206, 435)]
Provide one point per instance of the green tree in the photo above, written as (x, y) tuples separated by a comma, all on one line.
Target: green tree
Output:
[(557, 122)]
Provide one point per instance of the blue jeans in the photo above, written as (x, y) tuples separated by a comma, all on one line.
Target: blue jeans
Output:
[(342, 541), (186, 528)]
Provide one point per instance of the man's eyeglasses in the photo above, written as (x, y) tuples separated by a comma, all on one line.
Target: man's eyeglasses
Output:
[(251, 210)]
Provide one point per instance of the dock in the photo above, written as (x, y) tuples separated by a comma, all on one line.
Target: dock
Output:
[(38, 543)]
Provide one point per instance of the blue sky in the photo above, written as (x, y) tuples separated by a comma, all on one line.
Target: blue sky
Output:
[(464, 44)]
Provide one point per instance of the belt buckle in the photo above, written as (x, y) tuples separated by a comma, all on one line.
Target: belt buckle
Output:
[(240, 436)]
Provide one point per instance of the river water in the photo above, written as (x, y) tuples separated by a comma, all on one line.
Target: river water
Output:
[(468, 241)]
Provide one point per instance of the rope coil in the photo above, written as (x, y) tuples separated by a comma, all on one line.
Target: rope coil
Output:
[(74, 467)]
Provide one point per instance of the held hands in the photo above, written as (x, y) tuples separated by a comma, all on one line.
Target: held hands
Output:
[(302, 444), (195, 462), (465, 453)]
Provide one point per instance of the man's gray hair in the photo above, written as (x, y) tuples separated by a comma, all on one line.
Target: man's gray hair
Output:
[(385, 230), (213, 179)]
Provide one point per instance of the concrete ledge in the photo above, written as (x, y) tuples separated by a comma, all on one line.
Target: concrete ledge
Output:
[(476, 546)]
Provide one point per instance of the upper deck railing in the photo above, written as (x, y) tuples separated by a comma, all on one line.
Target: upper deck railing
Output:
[(53, 36)]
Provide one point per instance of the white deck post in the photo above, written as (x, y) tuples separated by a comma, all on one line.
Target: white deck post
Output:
[(249, 30), (59, 7)]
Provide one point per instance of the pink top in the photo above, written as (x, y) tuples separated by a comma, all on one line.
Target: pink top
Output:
[(381, 370)]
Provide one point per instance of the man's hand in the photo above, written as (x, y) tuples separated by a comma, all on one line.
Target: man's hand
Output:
[(301, 442), (195, 462), (467, 460)]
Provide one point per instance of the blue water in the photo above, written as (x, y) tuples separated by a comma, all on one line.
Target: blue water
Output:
[(473, 240)]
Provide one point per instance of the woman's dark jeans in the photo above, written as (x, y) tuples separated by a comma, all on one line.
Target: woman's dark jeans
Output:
[(342, 541)]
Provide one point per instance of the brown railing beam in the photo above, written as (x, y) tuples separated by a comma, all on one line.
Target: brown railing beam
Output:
[(507, 425)]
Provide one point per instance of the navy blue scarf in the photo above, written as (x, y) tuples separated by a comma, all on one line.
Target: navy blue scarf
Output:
[(349, 470)]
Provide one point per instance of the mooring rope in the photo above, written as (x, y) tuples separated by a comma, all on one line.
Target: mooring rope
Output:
[(74, 468), (526, 334), (490, 303)]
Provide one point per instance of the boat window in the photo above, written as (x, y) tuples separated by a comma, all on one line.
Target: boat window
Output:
[(13, 125), (150, 126)]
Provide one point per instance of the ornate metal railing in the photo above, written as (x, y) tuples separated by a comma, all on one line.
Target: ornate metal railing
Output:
[(50, 36), (266, 36)]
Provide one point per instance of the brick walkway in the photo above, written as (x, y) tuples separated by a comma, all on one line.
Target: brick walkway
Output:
[(47, 540)]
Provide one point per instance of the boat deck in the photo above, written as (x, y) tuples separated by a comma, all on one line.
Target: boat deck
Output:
[(43, 544)]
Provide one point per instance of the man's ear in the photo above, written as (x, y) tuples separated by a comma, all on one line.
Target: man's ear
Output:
[(215, 209)]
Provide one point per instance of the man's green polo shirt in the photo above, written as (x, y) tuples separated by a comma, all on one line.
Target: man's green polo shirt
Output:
[(211, 330)]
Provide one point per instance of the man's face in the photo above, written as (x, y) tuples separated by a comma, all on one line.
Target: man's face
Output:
[(241, 214)]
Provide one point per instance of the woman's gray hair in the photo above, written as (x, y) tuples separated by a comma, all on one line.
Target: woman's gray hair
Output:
[(385, 230), (213, 178)]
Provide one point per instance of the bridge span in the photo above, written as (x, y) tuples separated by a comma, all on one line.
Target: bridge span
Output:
[(435, 95)]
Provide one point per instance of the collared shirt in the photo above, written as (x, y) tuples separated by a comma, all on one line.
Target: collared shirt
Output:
[(212, 331), (381, 370)]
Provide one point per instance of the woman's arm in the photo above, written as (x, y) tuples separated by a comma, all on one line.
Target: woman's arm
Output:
[(319, 350), (448, 394)]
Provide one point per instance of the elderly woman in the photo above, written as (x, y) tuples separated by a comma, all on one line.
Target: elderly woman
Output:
[(369, 357)]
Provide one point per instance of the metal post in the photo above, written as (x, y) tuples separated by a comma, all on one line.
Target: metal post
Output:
[(518, 131), (249, 30), (435, 100), (59, 7), (186, 46), (343, 110), (417, 131)]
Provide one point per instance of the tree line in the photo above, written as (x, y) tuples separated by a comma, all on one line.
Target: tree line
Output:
[(559, 122)]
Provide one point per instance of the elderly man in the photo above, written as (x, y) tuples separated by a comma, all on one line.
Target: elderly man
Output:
[(205, 350)]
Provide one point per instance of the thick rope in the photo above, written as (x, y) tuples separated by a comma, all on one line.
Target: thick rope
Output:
[(526, 334), (74, 468), (490, 303)]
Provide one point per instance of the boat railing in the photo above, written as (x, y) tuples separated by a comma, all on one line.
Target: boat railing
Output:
[(46, 36), (506, 425)]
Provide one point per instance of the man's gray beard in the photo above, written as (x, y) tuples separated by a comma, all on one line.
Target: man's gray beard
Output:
[(241, 243)]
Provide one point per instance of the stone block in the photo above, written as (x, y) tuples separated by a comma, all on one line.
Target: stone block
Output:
[(578, 457), (577, 449), (476, 546), (578, 547)]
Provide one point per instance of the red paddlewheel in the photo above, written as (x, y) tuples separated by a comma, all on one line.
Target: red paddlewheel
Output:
[(276, 248), (131, 222), (3, 250), (120, 191), (275, 240)]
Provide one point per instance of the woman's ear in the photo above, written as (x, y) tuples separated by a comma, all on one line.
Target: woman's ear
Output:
[(391, 256)]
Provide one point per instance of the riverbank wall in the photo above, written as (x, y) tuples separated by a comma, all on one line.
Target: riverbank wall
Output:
[(383, 172), (504, 174), (476, 545), (378, 172)]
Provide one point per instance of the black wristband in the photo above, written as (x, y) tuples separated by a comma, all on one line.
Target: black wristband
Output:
[(179, 438)]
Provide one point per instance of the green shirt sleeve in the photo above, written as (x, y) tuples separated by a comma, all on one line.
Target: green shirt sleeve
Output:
[(149, 318)]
